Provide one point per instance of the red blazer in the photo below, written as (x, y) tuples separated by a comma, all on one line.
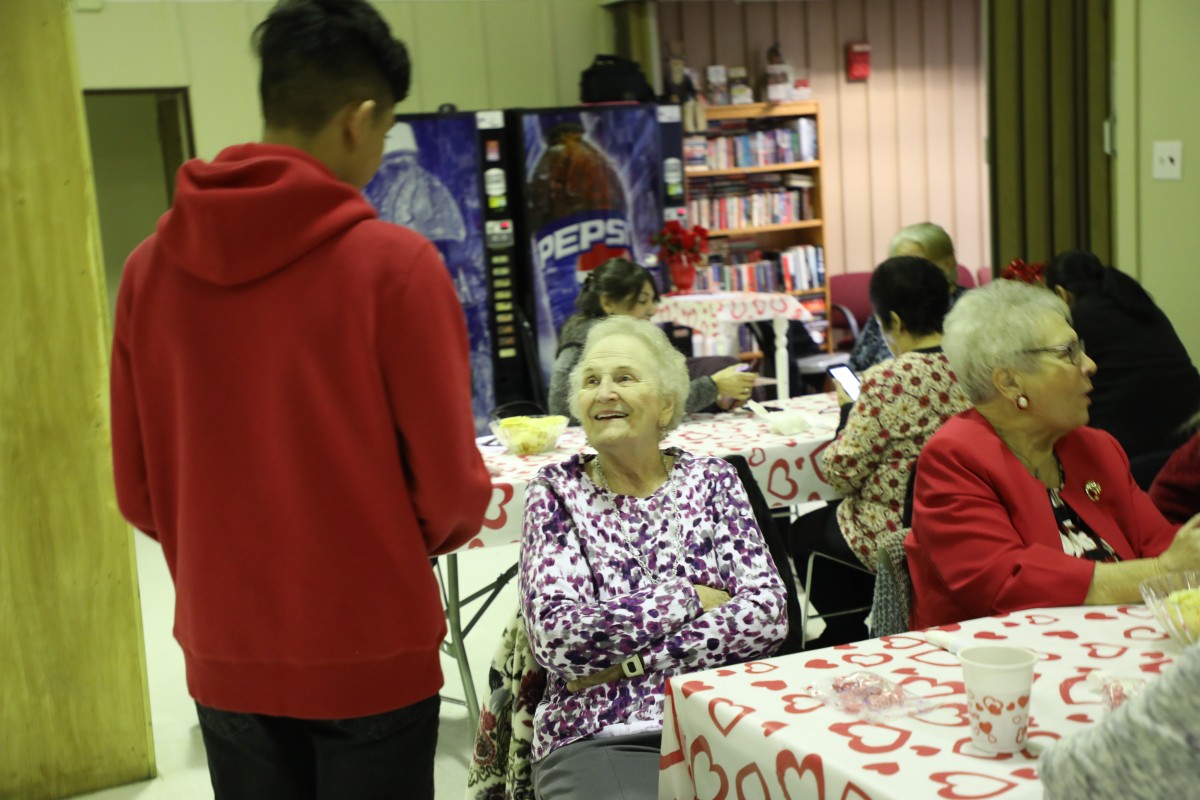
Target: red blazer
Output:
[(984, 539)]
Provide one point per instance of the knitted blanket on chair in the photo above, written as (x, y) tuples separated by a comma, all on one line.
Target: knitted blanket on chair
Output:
[(893, 587), (500, 766)]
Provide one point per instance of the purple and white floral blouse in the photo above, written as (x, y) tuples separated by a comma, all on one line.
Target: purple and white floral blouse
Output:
[(588, 604)]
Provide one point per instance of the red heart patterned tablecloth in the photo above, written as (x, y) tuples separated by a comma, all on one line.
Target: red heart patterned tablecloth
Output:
[(707, 313), (756, 730), (786, 468)]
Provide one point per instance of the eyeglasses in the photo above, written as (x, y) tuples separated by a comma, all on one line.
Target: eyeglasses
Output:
[(1074, 351)]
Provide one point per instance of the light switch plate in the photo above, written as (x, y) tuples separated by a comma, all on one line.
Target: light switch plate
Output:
[(1168, 161)]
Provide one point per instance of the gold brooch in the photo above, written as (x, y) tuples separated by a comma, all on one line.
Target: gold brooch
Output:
[(1092, 489)]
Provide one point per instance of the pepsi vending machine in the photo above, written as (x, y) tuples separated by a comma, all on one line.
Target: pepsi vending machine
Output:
[(446, 176), (597, 182)]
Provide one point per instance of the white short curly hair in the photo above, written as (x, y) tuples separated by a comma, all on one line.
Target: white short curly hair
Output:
[(668, 366), (991, 327)]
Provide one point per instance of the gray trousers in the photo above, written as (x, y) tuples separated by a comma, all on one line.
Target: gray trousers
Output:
[(616, 768)]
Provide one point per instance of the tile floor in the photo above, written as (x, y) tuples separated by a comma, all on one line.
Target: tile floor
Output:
[(182, 771)]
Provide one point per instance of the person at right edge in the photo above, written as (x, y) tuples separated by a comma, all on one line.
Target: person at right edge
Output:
[(292, 422), (1145, 388)]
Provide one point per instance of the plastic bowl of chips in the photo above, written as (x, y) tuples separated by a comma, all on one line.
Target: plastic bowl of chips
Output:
[(1175, 600), (527, 436)]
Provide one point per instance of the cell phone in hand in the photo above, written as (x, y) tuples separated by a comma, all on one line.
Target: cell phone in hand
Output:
[(846, 378)]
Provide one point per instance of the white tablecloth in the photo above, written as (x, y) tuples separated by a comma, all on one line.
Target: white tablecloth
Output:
[(787, 468), (754, 730)]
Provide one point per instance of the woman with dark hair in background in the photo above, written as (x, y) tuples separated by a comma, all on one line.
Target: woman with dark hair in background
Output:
[(1145, 386), (621, 287)]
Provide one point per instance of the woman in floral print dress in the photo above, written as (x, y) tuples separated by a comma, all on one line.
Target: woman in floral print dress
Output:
[(903, 401), (637, 564)]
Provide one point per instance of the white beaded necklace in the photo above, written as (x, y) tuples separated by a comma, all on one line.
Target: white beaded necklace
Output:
[(673, 534)]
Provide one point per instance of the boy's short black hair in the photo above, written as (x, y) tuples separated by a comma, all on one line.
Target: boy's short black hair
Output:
[(915, 288), (320, 55)]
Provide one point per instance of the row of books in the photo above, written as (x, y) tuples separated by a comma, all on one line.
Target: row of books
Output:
[(796, 269), (750, 208), (731, 147)]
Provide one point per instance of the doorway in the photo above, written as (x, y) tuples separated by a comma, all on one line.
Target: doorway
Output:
[(138, 141)]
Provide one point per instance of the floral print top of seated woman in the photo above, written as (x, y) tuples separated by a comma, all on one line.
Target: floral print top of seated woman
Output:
[(606, 575)]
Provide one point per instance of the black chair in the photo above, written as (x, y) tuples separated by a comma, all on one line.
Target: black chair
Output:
[(794, 642)]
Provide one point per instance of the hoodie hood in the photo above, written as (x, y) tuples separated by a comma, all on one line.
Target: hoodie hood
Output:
[(254, 210)]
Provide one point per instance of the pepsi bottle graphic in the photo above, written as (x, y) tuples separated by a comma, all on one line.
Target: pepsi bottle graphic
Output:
[(579, 218)]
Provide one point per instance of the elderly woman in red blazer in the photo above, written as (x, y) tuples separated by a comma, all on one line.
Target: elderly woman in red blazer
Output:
[(1017, 503)]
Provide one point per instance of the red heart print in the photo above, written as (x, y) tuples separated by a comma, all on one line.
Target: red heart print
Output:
[(747, 772), (925, 750), (820, 663), (844, 647), (1138, 612), (716, 717), (932, 687), (966, 747), (1144, 633), (774, 686), (725, 673), (1153, 655), (771, 727), (1028, 773), (1066, 690), (970, 785), (993, 705), (759, 667), (948, 628), (1079, 718), (780, 483), (497, 513), (902, 642), (937, 657), (1023, 700), (986, 727), (476, 542), (786, 760), (867, 737), (706, 774), (1155, 667), (1041, 619), (1103, 650), (801, 703), (757, 456), (1099, 615), (1062, 634), (990, 635), (947, 715), (886, 768), (691, 687), (850, 787), (1009, 624), (867, 659)]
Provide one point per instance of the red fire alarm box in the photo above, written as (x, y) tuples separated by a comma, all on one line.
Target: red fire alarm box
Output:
[(858, 61)]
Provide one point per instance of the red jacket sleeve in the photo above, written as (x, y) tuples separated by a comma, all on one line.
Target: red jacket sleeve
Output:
[(129, 459), (424, 354)]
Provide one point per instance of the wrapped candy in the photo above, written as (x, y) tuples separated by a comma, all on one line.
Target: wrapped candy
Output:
[(867, 695)]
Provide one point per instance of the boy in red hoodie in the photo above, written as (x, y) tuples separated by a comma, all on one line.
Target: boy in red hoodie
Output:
[(292, 422)]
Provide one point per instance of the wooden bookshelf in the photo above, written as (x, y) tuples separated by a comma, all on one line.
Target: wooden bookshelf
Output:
[(786, 236)]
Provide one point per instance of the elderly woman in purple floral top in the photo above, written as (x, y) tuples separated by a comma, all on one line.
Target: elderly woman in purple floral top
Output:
[(636, 564)]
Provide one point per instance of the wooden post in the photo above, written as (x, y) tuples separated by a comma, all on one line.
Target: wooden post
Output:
[(74, 709)]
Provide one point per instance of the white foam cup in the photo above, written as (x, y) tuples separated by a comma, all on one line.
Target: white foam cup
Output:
[(998, 680)]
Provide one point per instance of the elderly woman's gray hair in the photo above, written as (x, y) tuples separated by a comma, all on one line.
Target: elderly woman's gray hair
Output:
[(933, 240), (667, 365), (992, 326)]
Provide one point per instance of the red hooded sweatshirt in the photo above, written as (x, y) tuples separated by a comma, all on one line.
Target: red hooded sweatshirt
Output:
[(291, 420)]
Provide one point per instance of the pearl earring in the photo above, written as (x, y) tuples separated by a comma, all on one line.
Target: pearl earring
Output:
[(1022, 402)]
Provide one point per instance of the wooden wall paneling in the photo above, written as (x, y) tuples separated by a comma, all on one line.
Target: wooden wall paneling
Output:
[(790, 25), (1004, 124), (566, 20), (824, 59), (1035, 125), (696, 24), (855, 160), (966, 92), (449, 39), (1098, 197), (729, 36), (884, 118), (939, 132), (759, 30), (529, 73), (1066, 123), (74, 711), (670, 32), (912, 157)]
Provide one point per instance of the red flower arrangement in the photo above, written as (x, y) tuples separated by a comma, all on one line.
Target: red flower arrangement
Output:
[(681, 249), (1018, 270)]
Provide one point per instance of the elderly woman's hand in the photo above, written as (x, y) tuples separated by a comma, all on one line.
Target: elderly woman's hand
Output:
[(1184, 552), (711, 598), (731, 382)]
